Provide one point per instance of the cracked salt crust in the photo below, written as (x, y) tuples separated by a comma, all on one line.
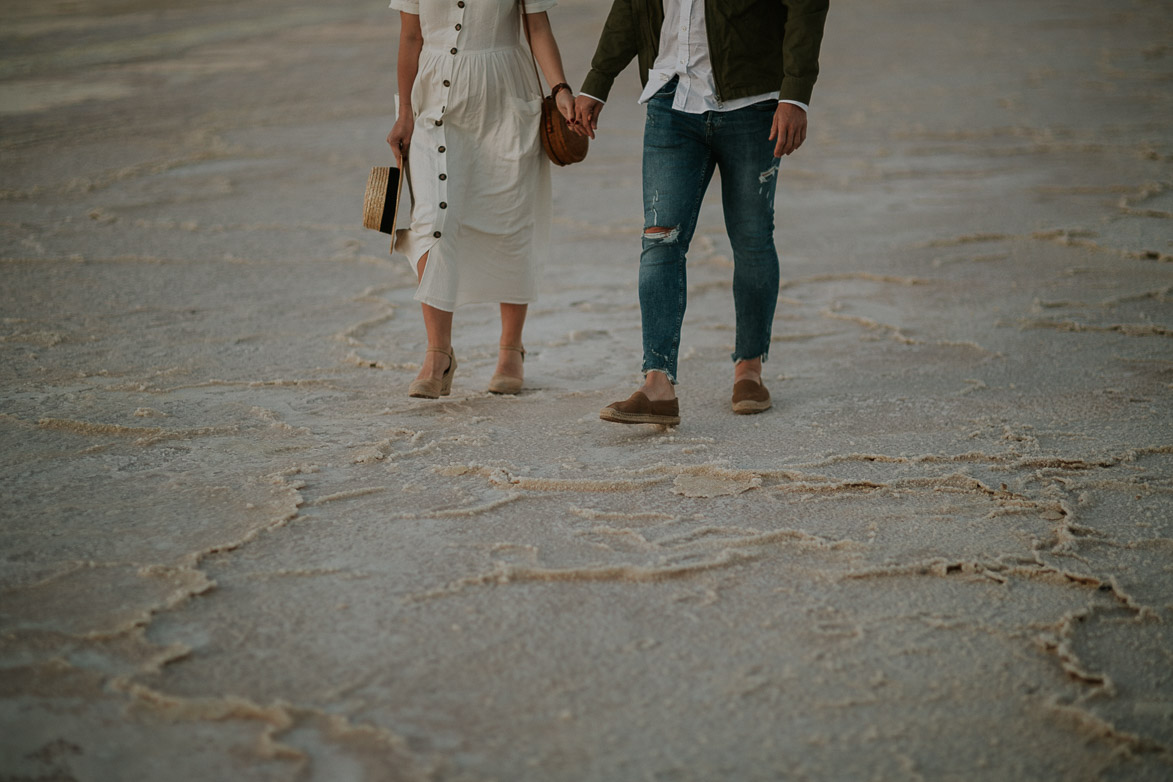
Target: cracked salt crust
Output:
[(291, 571)]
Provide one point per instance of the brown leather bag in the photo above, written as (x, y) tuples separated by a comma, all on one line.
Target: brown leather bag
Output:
[(563, 146)]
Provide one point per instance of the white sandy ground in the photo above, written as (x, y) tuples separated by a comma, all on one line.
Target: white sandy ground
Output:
[(232, 548)]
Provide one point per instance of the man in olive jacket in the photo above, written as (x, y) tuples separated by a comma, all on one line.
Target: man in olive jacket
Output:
[(726, 84)]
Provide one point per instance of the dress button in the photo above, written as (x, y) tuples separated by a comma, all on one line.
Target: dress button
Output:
[(443, 177), (452, 50), (441, 149), (447, 83), (457, 27), (436, 234), (443, 204)]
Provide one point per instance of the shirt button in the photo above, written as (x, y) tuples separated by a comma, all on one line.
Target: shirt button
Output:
[(452, 50), (460, 4), (439, 122), (442, 149), (443, 177), (447, 83), (443, 204), (457, 27), (436, 234)]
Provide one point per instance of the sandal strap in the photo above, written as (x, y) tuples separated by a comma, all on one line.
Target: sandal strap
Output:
[(516, 348), (447, 353)]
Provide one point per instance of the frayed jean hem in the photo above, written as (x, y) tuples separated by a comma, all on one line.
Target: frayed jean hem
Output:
[(669, 375)]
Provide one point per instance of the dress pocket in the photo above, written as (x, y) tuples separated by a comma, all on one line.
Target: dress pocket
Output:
[(517, 135)]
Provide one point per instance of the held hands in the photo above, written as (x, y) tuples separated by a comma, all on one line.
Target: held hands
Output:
[(400, 137), (586, 115), (789, 129)]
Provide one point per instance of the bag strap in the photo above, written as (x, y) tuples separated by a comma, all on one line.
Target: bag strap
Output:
[(529, 41)]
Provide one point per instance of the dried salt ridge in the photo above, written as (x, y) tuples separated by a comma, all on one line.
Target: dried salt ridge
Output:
[(234, 549)]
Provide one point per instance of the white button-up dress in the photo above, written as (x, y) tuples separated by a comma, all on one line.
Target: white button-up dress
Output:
[(479, 177)]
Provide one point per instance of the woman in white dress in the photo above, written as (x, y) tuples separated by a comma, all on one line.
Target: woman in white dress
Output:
[(469, 111)]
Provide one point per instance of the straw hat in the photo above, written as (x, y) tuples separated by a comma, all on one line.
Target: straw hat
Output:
[(382, 199)]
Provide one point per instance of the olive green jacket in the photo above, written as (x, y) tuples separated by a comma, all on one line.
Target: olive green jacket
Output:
[(756, 46)]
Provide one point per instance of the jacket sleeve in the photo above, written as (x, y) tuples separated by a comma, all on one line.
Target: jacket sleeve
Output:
[(800, 48), (618, 45)]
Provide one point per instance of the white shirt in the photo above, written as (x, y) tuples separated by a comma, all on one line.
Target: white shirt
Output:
[(684, 55)]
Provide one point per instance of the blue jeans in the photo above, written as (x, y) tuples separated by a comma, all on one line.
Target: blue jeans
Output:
[(680, 153)]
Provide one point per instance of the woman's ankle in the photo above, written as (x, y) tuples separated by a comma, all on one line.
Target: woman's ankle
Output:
[(436, 363)]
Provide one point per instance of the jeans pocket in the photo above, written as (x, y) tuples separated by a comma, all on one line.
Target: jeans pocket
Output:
[(668, 91)]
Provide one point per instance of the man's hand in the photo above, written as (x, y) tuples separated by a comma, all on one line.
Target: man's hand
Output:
[(789, 129), (586, 115)]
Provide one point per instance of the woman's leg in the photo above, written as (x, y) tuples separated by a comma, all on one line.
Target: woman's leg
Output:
[(512, 323), (439, 326)]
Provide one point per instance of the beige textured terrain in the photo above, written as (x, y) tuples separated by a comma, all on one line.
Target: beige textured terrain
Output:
[(231, 548)]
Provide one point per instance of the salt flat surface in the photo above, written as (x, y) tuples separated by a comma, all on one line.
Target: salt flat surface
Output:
[(233, 548)]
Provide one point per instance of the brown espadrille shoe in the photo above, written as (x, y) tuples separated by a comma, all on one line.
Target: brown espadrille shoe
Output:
[(750, 397), (638, 409)]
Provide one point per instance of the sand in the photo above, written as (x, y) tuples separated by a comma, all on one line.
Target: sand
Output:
[(233, 548)]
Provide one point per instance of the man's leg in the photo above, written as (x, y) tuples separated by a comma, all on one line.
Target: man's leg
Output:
[(749, 176), (677, 168)]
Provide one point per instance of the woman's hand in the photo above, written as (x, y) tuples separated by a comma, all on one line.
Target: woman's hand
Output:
[(400, 137), (565, 103)]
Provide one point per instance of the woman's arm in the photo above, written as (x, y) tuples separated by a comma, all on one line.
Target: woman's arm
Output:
[(411, 43), (545, 48)]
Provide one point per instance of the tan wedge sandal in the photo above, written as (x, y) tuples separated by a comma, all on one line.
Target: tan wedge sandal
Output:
[(507, 384), (433, 388)]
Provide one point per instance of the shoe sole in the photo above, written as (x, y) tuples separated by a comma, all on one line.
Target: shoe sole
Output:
[(749, 407), (619, 417)]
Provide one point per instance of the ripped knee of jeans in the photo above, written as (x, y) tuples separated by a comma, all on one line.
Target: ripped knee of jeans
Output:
[(661, 235)]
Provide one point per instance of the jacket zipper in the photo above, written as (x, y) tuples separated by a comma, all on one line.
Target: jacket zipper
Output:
[(712, 56)]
